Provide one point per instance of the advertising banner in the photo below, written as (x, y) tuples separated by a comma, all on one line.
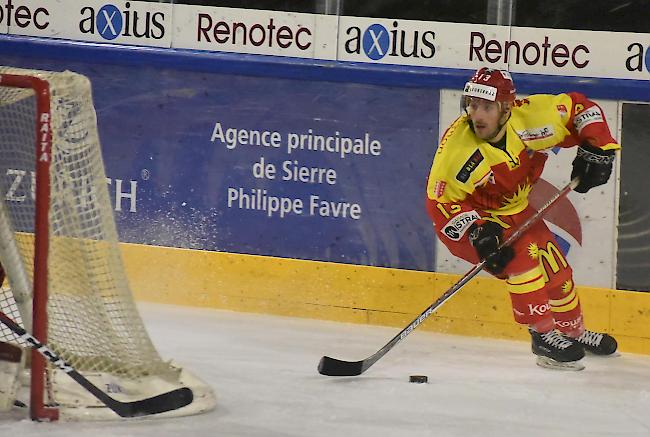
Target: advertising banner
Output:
[(4, 20), (407, 42), (517, 49), (573, 53), (255, 31), (119, 21), (580, 53), (306, 170)]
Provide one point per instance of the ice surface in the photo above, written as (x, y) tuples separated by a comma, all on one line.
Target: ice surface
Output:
[(263, 369)]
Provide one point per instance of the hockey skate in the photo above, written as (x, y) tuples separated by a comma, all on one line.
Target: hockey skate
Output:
[(554, 351), (597, 343)]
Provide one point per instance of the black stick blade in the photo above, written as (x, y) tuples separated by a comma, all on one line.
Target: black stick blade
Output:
[(332, 367), (169, 401)]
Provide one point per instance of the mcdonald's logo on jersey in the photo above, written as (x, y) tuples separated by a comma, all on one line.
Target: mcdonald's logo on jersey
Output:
[(551, 259)]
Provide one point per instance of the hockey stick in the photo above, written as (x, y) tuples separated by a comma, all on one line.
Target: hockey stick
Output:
[(334, 367), (158, 404)]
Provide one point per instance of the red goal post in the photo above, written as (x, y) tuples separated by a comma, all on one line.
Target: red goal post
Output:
[(43, 146), (59, 248)]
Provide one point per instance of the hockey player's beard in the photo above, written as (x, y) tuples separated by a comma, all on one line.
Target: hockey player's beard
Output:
[(498, 132), (492, 137)]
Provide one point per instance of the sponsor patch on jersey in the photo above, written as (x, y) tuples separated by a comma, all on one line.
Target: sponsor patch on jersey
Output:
[(439, 188), (587, 117), (469, 166), (537, 133), (562, 110), (456, 227)]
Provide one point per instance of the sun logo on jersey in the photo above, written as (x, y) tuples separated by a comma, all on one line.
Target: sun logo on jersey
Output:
[(567, 286), (533, 251), (518, 197)]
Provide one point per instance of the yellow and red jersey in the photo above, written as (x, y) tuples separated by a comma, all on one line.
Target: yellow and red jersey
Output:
[(472, 180)]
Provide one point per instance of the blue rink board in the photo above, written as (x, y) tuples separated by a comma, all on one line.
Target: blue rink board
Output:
[(157, 109), (156, 126)]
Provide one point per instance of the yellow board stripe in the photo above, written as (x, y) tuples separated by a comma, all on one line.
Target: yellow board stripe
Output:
[(359, 294)]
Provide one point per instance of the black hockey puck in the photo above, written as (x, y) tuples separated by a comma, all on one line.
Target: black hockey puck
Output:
[(419, 379)]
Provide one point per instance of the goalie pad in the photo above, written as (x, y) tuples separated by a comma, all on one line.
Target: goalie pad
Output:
[(10, 365)]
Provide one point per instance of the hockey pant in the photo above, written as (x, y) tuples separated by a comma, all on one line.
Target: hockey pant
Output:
[(539, 279)]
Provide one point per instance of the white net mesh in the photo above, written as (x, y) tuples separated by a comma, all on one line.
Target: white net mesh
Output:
[(92, 320)]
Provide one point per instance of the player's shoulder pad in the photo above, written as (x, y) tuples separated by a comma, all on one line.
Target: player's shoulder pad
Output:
[(533, 102), (457, 138), (457, 156), (457, 126), (538, 104)]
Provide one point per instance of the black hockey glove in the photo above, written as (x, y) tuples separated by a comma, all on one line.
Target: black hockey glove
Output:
[(486, 239), (593, 166)]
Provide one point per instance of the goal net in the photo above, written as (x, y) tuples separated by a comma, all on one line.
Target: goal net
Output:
[(59, 248)]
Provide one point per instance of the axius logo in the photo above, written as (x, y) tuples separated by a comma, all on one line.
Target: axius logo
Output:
[(109, 22), (377, 41)]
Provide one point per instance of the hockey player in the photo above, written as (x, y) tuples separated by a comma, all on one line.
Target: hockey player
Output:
[(477, 195)]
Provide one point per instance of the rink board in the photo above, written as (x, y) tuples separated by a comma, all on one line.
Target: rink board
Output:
[(215, 160), (178, 179), (170, 175), (359, 294)]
